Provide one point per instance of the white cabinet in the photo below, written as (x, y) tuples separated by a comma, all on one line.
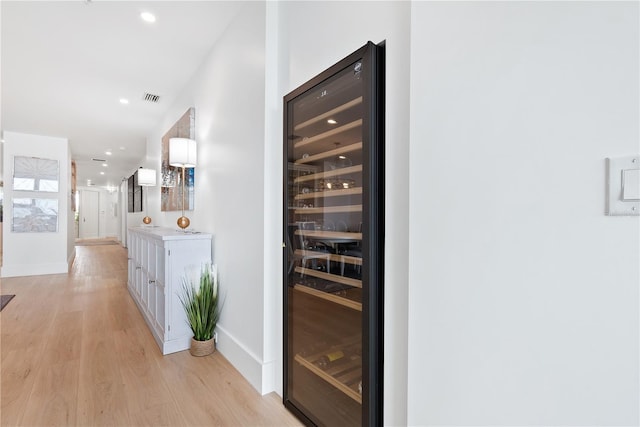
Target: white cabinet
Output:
[(158, 260)]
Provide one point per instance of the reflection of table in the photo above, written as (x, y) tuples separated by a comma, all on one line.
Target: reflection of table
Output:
[(331, 238), (334, 239)]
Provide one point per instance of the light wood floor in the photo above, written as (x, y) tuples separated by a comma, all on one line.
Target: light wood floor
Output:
[(76, 351)]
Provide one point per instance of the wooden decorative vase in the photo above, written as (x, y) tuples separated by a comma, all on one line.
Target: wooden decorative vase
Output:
[(202, 348)]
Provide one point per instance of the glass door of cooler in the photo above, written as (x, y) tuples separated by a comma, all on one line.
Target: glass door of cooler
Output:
[(333, 243)]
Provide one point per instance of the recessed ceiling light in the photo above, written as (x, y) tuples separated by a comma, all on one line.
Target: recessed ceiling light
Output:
[(124, 101), (104, 165), (101, 173), (331, 122), (148, 17), (342, 157), (108, 152), (122, 148)]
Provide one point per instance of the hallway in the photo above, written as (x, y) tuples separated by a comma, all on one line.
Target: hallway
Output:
[(76, 351)]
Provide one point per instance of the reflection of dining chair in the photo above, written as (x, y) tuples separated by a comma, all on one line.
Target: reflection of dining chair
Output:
[(354, 250), (306, 249), (290, 251)]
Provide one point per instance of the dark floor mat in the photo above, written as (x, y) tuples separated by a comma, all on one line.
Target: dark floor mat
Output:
[(4, 300)]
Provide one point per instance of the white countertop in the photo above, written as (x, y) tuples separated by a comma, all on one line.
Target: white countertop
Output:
[(165, 233)]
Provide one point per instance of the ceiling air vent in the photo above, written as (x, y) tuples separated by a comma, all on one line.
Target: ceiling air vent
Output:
[(98, 160), (151, 97)]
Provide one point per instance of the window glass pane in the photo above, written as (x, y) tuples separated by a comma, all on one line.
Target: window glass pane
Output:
[(48, 185), (23, 184)]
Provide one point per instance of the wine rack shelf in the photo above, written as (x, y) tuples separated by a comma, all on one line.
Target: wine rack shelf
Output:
[(332, 257), (345, 375), (329, 297), (329, 193), (345, 236), (328, 276), (339, 109), (328, 134), (330, 209), (331, 153), (329, 174)]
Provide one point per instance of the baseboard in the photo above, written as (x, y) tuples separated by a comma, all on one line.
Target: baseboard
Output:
[(268, 377), (261, 375), (17, 270), (72, 257)]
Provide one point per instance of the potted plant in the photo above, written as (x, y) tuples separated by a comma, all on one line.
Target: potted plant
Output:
[(201, 304)]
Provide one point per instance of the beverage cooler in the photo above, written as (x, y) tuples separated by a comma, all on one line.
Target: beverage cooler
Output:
[(333, 243)]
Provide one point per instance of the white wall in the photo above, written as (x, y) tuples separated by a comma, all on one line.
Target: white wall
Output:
[(27, 254), (272, 198), (1, 134), (123, 220), (71, 222), (109, 213), (228, 95), (238, 178), (523, 296), (134, 219), (509, 297), (313, 36)]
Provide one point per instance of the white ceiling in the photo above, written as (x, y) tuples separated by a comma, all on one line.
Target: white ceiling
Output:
[(65, 66)]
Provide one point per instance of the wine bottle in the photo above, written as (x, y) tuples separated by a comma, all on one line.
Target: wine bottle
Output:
[(328, 358)]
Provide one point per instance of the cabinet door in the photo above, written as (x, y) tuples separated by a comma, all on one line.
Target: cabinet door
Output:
[(333, 218), (131, 264), (137, 273), (159, 290), (139, 242), (185, 259), (144, 276), (151, 280)]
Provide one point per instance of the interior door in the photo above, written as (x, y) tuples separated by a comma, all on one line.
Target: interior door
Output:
[(89, 214)]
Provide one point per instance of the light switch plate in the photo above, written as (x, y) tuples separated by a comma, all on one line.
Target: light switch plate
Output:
[(631, 185), (620, 173)]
